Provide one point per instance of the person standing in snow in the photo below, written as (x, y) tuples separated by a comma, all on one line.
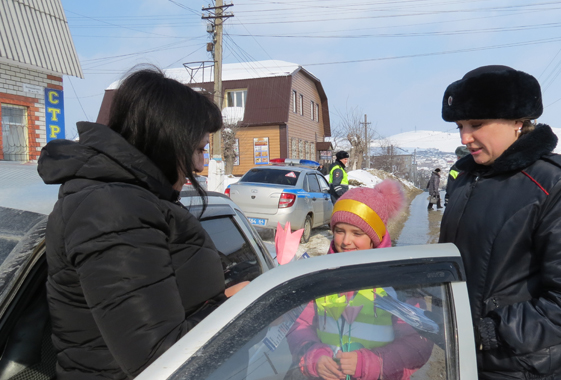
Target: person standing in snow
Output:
[(338, 179), (434, 191), (504, 216)]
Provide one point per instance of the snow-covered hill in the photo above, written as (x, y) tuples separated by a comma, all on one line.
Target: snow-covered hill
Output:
[(442, 141)]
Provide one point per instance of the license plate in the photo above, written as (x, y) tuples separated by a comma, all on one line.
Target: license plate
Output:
[(257, 222)]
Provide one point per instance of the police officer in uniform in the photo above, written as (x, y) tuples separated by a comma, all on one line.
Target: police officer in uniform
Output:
[(338, 180), (461, 152)]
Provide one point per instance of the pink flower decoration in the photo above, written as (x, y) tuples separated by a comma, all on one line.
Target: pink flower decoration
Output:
[(351, 312), (286, 242)]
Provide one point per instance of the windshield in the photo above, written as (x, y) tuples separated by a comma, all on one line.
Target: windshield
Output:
[(272, 176), (20, 232)]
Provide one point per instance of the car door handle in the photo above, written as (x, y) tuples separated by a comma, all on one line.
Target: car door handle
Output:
[(314, 198)]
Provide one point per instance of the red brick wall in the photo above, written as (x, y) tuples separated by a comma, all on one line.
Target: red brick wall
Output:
[(32, 121)]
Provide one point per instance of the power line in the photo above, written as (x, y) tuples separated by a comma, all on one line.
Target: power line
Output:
[(514, 44)]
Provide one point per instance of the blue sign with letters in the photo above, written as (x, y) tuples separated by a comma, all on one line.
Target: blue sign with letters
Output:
[(54, 114)]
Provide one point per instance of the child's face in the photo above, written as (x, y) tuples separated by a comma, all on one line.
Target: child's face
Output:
[(347, 237)]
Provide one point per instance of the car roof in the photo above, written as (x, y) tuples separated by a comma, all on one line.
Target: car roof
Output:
[(286, 167)]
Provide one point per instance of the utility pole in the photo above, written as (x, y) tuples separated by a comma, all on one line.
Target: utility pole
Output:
[(366, 141), (217, 15)]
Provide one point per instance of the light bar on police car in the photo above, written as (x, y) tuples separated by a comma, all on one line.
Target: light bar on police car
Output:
[(294, 162)]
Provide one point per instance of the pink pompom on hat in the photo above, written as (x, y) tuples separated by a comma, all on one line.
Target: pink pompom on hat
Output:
[(370, 208)]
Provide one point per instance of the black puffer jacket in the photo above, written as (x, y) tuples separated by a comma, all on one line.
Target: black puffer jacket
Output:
[(130, 270), (506, 220)]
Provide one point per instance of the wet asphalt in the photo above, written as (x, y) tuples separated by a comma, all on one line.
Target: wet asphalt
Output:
[(422, 226)]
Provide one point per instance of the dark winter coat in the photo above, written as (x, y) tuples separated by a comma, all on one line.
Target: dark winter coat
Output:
[(130, 269), (451, 178), (434, 183), (505, 219)]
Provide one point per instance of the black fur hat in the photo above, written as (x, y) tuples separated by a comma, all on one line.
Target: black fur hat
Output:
[(341, 155), (493, 92)]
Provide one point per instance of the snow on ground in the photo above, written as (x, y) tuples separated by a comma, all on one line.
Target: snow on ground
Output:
[(366, 178)]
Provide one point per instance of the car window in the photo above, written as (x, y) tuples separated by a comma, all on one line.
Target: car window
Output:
[(273, 176), (239, 260), (313, 183), (257, 239), (306, 185), (323, 183), (408, 327)]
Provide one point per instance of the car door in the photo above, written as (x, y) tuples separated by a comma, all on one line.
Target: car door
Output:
[(252, 335), (327, 203), (316, 197)]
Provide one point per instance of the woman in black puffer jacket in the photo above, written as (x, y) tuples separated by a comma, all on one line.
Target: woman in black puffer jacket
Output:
[(504, 214), (130, 269)]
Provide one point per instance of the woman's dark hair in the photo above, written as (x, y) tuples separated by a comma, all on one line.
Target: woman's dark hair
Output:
[(164, 119)]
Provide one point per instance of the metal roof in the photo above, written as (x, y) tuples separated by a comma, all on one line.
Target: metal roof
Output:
[(36, 33), (230, 72)]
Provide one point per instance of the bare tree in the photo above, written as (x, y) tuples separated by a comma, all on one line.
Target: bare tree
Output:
[(229, 141), (356, 136)]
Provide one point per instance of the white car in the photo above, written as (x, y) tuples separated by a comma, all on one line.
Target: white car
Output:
[(246, 337)]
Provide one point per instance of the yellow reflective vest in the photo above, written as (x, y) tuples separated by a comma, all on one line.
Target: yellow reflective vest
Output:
[(372, 327), (345, 180)]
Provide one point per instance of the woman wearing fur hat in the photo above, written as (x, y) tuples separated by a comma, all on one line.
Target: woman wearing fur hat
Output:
[(505, 217), (389, 348)]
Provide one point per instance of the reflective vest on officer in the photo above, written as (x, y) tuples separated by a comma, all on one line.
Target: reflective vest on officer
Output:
[(454, 173), (372, 327), (345, 180)]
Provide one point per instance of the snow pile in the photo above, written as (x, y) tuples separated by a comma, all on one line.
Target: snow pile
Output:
[(371, 177), (364, 177)]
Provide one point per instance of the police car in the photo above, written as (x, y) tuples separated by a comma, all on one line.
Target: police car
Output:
[(289, 190)]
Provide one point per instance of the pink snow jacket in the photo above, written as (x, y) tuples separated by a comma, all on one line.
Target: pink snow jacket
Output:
[(397, 360)]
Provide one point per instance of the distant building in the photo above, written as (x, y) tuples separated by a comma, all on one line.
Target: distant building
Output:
[(402, 165), (36, 49), (279, 109)]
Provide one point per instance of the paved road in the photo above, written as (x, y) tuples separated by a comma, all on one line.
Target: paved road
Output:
[(423, 226)]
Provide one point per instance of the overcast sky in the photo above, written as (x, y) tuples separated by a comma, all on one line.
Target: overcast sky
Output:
[(389, 59)]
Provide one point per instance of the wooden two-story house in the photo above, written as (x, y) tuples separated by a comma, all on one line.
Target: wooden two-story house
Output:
[(277, 109)]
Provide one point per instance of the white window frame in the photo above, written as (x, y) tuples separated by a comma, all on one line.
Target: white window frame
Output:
[(234, 92), (301, 105), (294, 101), (312, 109)]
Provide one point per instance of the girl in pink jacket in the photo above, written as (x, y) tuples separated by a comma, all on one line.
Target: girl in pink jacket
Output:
[(383, 346)]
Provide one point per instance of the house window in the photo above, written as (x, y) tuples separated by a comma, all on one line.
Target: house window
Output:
[(312, 110), (317, 112), (301, 149), (301, 104), (294, 102), (236, 98), (313, 151), (14, 133)]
